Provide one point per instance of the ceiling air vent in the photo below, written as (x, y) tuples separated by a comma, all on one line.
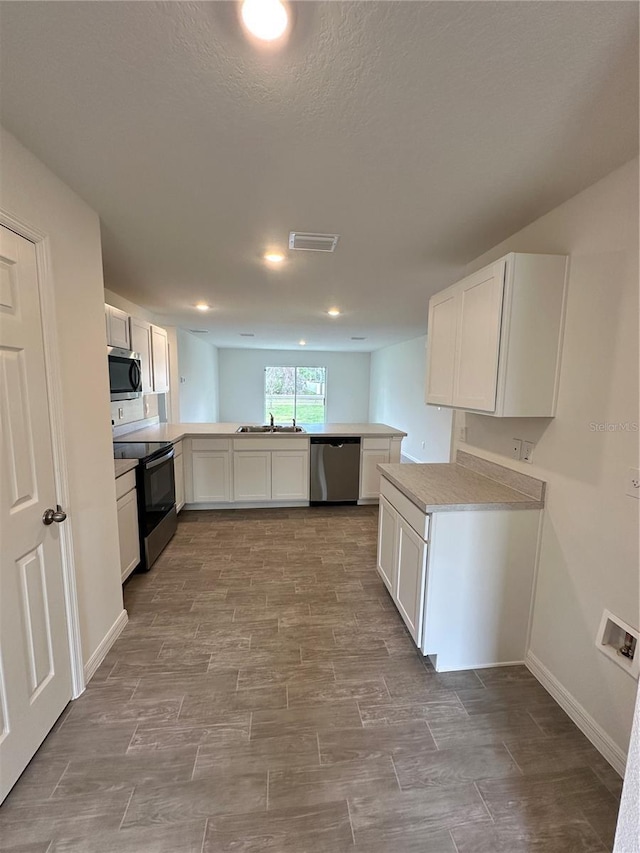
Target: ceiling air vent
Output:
[(247, 335), (313, 242), (199, 331)]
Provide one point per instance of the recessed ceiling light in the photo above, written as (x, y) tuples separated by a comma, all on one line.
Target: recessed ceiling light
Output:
[(267, 20), (202, 306), (334, 312), (302, 343), (274, 257)]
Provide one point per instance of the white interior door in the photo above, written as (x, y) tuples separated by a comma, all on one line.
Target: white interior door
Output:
[(35, 675)]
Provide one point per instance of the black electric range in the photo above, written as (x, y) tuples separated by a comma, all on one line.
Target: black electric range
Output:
[(155, 484)]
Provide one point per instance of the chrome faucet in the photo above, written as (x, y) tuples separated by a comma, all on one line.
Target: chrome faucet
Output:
[(294, 422), (271, 423)]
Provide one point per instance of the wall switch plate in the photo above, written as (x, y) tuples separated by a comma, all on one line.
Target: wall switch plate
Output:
[(516, 448), (633, 483), (527, 451)]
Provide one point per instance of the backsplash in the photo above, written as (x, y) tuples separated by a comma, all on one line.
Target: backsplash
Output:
[(140, 409)]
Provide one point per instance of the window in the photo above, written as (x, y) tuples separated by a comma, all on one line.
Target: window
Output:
[(295, 392)]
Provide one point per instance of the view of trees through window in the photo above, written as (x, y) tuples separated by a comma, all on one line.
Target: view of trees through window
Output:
[(295, 392)]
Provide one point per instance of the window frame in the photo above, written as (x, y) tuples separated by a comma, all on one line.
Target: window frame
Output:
[(295, 368)]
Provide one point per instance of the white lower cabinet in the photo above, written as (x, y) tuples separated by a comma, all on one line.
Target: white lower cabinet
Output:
[(411, 573), (128, 532), (210, 477), (178, 470), (402, 565), (461, 580), (290, 475), (252, 475), (374, 452), (387, 559)]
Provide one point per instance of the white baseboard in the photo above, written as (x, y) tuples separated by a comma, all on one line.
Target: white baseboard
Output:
[(105, 644), (584, 721)]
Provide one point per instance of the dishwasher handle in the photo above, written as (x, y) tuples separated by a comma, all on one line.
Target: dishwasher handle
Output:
[(334, 442)]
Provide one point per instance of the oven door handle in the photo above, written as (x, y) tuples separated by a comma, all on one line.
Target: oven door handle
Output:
[(155, 462)]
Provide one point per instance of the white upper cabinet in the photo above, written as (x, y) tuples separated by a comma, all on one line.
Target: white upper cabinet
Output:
[(494, 338), (159, 359), (141, 343), (118, 334), (441, 347)]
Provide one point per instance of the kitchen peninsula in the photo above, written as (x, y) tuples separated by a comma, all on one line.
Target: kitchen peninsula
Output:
[(218, 467)]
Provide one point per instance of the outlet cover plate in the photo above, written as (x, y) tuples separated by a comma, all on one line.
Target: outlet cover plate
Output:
[(516, 448)]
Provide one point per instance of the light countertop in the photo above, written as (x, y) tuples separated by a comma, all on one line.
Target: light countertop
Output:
[(449, 487), (123, 465), (175, 432)]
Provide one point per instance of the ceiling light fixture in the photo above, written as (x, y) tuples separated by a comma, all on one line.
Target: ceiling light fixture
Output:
[(302, 343), (274, 257), (334, 312), (202, 306), (267, 20)]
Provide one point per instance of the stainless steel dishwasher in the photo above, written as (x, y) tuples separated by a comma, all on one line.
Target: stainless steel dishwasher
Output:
[(335, 470)]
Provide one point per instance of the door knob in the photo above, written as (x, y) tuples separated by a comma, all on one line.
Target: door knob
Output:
[(50, 515)]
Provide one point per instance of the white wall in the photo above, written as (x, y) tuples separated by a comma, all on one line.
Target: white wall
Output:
[(35, 195), (242, 382), (397, 398), (198, 379), (589, 548)]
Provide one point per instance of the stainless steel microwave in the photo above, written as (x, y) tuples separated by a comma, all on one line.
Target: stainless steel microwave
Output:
[(125, 375)]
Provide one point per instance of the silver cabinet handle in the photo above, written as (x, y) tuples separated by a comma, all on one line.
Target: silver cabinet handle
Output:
[(50, 515)]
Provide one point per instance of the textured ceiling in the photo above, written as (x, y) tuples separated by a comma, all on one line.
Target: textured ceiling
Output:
[(423, 133)]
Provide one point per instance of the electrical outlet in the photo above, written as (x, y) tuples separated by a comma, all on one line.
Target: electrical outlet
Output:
[(633, 483), (422, 444), (462, 433), (527, 451), (516, 448)]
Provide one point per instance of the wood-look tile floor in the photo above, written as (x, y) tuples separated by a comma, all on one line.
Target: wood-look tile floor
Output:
[(265, 696)]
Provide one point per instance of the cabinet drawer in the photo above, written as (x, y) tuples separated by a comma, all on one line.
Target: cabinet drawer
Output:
[(375, 443), (125, 483), (177, 448), (209, 443), (272, 442), (409, 511)]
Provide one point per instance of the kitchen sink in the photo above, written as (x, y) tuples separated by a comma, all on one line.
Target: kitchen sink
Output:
[(266, 428)]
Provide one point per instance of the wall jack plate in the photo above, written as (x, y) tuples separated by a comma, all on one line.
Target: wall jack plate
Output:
[(527, 451), (633, 483)]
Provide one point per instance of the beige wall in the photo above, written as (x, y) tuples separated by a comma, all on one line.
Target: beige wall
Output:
[(589, 549), (35, 195)]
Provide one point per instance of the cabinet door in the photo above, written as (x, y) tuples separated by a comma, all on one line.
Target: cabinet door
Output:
[(290, 475), (210, 476), (387, 553), (441, 347), (128, 533), (141, 343), (410, 578), (252, 475), (159, 359), (178, 470), (369, 474), (478, 339), (117, 328)]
